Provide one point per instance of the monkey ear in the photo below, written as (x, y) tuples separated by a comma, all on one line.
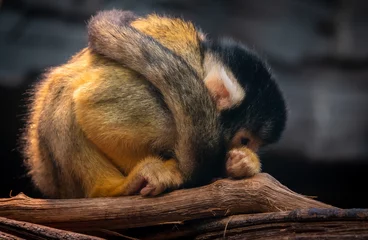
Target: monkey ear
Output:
[(226, 92)]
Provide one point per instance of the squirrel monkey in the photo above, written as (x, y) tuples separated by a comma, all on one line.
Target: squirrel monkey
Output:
[(251, 107), (98, 128)]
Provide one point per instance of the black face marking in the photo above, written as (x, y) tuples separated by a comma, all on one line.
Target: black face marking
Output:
[(263, 111)]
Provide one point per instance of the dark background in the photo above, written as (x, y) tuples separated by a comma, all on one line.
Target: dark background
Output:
[(318, 50)]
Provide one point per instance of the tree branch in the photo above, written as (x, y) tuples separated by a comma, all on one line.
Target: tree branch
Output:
[(11, 229), (310, 223), (225, 197)]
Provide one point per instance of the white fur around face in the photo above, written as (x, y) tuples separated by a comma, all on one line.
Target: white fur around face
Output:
[(236, 92), (224, 88)]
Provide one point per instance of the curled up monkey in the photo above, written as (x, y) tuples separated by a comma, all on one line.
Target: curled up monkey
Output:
[(150, 105)]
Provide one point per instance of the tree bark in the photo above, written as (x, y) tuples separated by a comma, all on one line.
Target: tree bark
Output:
[(11, 229), (225, 197), (304, 223)]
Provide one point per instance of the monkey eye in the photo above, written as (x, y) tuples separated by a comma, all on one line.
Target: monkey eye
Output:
[(244, 141)]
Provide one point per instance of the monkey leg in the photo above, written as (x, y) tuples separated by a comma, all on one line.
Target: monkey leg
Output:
[(151, 176), (125, 125), (108, 181), (242, 162)]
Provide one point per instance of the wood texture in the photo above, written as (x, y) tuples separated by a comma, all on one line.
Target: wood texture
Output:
[(305, 223), (11, 229), (225, 197), (6, 236), (294, 230)]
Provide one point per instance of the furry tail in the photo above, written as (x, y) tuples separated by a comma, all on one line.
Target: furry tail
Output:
[(199, 150)]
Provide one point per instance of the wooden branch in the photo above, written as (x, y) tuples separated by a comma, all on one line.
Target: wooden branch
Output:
[(306, 224), (6, 236), (310, 223), (262, 193), (11, 229)]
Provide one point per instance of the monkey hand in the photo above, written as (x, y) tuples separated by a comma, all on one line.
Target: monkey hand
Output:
[(242, 162), (154, 176)]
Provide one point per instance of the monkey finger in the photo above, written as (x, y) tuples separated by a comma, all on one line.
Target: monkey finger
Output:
[(147, 190), (135, 185), (159, 189), (243, 168), (235, 157)]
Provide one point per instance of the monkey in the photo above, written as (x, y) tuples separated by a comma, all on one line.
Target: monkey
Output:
[(87, 134), (250, 104), (98, 129)]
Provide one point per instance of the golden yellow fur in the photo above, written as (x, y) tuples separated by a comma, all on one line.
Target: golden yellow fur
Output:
[(86, 97), (99, 129), (177, 35)]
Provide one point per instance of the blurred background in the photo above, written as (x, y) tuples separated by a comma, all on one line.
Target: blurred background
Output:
[(318, 50)]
